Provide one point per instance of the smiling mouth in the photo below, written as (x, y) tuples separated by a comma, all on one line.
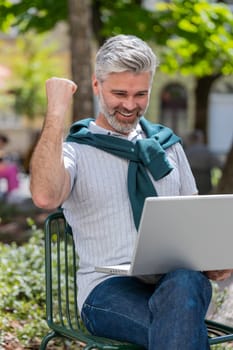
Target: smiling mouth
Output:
[(126, 114)]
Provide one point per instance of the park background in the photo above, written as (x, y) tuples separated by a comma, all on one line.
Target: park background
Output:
[(193, 89)]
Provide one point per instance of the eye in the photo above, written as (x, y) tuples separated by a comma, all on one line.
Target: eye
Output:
[(142, 93), (119, 93)]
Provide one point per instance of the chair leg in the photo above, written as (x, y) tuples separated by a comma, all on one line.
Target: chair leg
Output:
[(46, 339)]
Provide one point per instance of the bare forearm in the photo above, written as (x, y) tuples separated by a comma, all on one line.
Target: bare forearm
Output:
[(50, 182)]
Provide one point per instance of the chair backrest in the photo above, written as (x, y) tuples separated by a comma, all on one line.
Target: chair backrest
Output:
[(61, 265)]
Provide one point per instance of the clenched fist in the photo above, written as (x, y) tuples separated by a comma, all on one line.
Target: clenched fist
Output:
[(59, 95)]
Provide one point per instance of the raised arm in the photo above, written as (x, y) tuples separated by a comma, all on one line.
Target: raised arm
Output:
[(50, 181)]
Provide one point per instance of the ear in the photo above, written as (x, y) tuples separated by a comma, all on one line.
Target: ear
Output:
[(95, 85)]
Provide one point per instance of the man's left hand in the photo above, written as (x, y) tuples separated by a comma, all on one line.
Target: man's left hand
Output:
[(218, 275)]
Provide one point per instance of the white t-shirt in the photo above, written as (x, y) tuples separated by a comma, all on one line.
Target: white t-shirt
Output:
[(98, 208)]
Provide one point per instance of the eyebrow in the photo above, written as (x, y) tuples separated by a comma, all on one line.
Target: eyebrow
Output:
[(124, 91)]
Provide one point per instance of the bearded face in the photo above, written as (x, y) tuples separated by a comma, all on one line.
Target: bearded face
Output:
[(123, 99)]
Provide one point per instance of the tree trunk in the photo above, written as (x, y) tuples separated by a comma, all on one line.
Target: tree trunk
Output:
[(81, 58), (202, 92), (97, 21)]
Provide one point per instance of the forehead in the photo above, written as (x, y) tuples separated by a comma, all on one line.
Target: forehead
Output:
[(127, 81)]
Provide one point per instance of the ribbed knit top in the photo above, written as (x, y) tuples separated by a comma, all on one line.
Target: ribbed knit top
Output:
[(98, 208)]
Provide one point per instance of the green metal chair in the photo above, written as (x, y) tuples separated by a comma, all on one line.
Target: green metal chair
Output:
[(62, 314)]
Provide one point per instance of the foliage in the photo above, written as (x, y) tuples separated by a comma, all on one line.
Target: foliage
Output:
[(22, 285), (218, 297), (227, 346), (31, 61), (22, 303), (26, 15), (195, 37), (216, 174), (221, 347)]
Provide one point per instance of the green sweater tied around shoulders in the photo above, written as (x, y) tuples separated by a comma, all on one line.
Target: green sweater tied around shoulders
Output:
[(147, 154)]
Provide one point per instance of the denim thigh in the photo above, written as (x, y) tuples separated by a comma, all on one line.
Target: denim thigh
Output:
[(118, 308), (167, 315)]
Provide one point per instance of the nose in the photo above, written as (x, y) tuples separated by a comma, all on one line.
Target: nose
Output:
[(129, 103)]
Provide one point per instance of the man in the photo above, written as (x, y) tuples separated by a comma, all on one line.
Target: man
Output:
[(101, 176), (202, 161)]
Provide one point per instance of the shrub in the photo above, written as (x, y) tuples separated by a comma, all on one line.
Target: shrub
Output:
[(22, 302)]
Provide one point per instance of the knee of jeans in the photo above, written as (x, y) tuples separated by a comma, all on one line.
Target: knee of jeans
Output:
[(182, 287), (191, 281)]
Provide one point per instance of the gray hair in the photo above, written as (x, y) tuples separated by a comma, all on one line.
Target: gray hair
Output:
[(122, 53)]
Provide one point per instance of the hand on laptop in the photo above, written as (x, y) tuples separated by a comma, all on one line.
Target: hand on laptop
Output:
[(218, 275)]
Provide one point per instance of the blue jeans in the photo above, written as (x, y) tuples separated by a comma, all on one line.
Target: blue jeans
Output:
[(167, 315)]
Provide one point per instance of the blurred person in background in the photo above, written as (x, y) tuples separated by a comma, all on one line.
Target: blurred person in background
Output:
[(202, 161), (8, 169)]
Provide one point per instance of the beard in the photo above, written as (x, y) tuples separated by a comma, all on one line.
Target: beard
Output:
[(121, 127)]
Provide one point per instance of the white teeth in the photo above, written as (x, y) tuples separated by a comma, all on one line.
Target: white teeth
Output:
[(126, 114)]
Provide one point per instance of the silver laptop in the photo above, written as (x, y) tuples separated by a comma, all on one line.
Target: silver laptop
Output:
[(194, 232)]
